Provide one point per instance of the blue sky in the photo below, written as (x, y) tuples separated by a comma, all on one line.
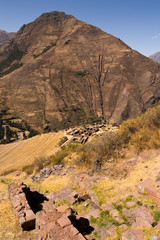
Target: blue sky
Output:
[(136, 22)]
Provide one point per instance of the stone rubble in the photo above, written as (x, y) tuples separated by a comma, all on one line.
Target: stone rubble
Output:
[(21, 207), (46, 172), (58, 218)]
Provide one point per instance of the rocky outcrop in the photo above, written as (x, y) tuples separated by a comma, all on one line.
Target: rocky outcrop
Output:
[(46, 172), (65, 72)]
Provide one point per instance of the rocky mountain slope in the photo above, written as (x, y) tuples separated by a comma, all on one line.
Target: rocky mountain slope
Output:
[(58, 71), (5, 36), (156, 57)]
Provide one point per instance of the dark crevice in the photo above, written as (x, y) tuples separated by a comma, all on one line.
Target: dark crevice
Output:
[(35, 199), (82, 225)]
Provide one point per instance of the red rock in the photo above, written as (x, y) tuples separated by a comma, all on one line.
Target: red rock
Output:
[(70, 199), (92, 212), (80, 237), (64, 221), (140, 223), (111, 233), (132, 235), (123, 227), (130, 204), (153, 191), (146, 183), (49, 226), (93, 197), (143, 213), (157, 227), (108, 207), (30, 215), (72, 230), (63, 208), (84, 181), (115, 215)]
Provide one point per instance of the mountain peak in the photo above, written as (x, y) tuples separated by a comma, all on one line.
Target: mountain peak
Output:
[(59, 71)]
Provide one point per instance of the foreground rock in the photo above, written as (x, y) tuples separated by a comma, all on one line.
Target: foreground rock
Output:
[(26, 202), (69, 214), (54, 224)]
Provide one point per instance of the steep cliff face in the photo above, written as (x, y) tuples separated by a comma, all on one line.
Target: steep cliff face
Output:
[(59, 71)]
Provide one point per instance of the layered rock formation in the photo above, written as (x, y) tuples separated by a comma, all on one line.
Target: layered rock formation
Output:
[(59, 71)]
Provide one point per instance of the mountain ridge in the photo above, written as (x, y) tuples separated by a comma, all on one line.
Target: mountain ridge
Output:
[(67, 72), (156, 57), (5, 36)]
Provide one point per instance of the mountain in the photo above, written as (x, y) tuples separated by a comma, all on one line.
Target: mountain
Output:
[(58, 71), (5, 36), (156, 57)]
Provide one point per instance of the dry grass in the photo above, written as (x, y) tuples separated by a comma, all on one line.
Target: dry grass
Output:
[(146, 166), (15, 156), (8, 222), (52, 183), (138, 135), (9, 226), (134, 135)]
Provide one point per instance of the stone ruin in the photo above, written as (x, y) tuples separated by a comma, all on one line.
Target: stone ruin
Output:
[(82, 134), (37, 211), (26, 203), (54, 217)]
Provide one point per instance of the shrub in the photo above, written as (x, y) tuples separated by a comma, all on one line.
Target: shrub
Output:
[(137, 134), (65, 151), (11, 69), (156, 215), (37, 165), (45, 50)]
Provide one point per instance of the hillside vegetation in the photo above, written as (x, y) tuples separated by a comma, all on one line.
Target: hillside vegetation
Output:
[(134, 135), (135, 143)]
